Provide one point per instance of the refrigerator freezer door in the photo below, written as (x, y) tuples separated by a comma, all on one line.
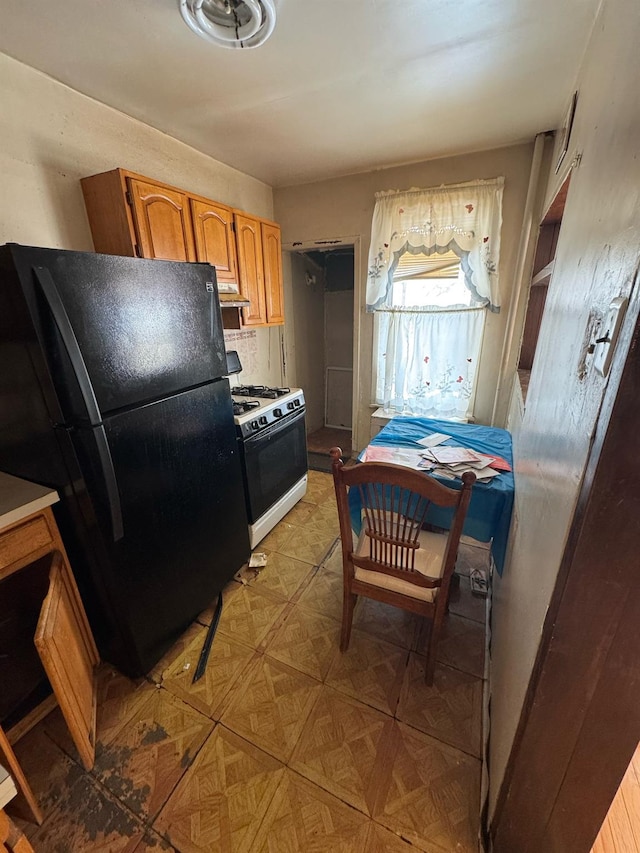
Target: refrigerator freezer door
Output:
[(143, 329), (185, 534)]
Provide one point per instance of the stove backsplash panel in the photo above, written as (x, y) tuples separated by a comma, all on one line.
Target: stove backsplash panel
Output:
[(260, 355)]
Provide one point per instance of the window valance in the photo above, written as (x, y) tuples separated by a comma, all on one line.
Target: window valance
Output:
[(464, 218)]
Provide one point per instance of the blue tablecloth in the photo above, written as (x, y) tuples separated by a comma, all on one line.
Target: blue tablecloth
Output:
[(489, 514)]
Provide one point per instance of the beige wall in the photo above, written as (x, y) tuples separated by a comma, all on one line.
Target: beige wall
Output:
[(52, 136), (596, 260), (343, 207)]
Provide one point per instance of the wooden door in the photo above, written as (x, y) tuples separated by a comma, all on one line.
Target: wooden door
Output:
[(250, 267), (272, 258), (162, 222), (214, 238), (69, 657)]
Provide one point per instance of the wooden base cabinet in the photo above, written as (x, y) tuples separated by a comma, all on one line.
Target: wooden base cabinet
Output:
[(63, 640), (260, 267)]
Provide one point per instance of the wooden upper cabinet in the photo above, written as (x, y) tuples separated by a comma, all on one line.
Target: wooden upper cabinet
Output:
[(251, 268), (214, 237), (272, 257), (162, 222), (130, 214)]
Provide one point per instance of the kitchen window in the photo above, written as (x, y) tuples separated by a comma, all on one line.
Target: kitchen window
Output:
[(428, 339), (432, 275)]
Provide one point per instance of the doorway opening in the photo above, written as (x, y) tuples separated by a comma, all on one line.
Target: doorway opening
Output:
[(323, 285)]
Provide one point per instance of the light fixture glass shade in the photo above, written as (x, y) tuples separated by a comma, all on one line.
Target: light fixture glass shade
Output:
[(230, 23)]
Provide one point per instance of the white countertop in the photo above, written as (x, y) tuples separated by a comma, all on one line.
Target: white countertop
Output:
[(20, 498)]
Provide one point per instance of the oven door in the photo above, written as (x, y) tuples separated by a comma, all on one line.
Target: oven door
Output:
[(274, 460)]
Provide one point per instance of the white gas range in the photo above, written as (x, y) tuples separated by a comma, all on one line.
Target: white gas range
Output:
[(270, 424)]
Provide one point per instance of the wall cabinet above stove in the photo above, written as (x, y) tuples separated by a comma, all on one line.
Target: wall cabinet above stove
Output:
[(137, 216), (260, 266)]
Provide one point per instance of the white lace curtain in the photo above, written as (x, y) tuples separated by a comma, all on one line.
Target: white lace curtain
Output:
[(426, 362), (463, 218)]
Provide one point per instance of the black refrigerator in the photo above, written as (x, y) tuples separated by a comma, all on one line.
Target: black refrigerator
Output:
[(113, 392)]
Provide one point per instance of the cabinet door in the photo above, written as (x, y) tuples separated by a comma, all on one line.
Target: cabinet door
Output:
[(63, 641), (215, 243), (250, 267), (162, 221), (272, 258)]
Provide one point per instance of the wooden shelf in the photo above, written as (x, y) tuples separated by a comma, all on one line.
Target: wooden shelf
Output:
[(543, 276)]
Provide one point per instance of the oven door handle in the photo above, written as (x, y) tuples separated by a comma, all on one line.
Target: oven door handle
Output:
[(276, 427)]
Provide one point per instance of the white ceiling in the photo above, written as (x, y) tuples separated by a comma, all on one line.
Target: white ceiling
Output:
[(341, 86)]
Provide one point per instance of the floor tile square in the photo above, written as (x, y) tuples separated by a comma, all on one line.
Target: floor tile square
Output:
[(271, 706), (87, 819), (461, 645), (371, 671), (302, 818), (324, 594), (283, 575), (248, 615), (144, 761), (300, 513), (309, 544), (431, 796), (343, 748), (227, 661), (324, 517), (320, 489), (278, 537), (306, 641), (222, 799), (450, 709), (385, 622)]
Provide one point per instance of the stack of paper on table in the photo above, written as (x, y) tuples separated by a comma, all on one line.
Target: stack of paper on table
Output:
[(451, 462), (395, 455)]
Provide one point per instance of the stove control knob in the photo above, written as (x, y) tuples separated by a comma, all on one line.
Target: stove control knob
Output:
[(263, 419), (291, 405), (296, 403), (277, 413), (254, 424)]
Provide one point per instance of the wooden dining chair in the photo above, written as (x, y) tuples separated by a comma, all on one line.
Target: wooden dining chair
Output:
[(395, 560)]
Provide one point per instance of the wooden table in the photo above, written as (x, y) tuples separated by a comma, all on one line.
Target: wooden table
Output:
[(28, 532), (489, 515)]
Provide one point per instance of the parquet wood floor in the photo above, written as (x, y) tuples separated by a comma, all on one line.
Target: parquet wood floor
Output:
[(285, 744)]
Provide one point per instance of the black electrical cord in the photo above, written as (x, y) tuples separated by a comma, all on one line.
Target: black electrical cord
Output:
[(208, 640)]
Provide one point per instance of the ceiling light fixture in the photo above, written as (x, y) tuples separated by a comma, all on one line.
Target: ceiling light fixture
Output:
[(230, 23)]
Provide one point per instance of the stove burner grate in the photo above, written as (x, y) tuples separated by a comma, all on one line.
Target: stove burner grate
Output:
[(259, 391), (240, 408)]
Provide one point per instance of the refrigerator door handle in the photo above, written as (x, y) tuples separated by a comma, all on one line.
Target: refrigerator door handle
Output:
[(62, 321), (110, 482)]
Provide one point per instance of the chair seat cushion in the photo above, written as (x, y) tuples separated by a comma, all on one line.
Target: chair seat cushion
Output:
[(429, 562)]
